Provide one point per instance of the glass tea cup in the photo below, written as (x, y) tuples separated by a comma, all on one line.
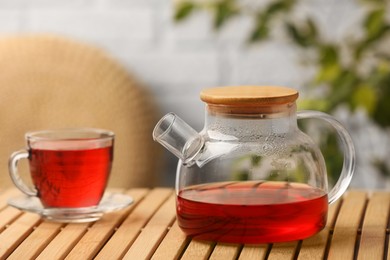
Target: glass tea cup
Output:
[(69, 168)]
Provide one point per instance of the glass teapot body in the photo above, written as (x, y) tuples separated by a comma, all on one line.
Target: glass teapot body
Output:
[(250, 176), (252, 149)]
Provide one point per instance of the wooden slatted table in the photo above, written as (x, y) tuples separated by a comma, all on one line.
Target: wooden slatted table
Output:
[(358, 228)]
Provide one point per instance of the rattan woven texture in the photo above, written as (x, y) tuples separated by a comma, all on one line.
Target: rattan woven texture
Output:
[(48, 81)]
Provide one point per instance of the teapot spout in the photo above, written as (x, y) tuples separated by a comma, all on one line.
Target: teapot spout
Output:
[(178, 137)]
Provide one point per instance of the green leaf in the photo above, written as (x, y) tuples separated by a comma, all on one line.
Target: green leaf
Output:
[(381, 114), (264, 18), (303, 36), (328, 73), (241, 175), (279, 6), (376, 27), (255, 160), (183, 10), (366, 97), (375, 22), (314, 104), (261, 29), (329, 55), (343, 87), (296, 35), (224, 10), (382, 167), (373, 1), (361, 48), (380, 79), (330, 148), (312, 29), (301, 173)]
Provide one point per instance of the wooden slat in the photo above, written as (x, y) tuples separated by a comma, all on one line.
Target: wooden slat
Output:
[(173, 244), (198, 250), (66, 240), (97, 235), (152, 234), (283, 251), (372, 242), (225, 251), (8, 215), (61, 245), (253, 252), (314, 247), (347, 225), (148, 230), (122, 239), (36, 241), (13, 235)]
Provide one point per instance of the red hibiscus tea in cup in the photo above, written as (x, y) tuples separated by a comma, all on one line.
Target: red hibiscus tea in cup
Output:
[(69, 168), (70, 178)]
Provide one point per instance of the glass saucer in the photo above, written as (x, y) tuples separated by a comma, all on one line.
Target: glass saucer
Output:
[(109, 203)]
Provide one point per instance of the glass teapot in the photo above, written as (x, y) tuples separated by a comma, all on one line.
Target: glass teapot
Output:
[(251, 176)]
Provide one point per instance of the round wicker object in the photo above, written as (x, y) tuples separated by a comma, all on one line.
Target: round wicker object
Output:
[(49, 82)]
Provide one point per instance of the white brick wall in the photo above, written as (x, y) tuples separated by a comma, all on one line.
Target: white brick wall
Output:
[(10, 20), (175, 60)]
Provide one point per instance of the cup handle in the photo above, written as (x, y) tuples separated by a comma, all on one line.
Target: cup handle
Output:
[(13, 172), (348, 148)]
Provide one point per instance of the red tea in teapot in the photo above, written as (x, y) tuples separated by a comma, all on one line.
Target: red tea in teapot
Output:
[(252, 212)]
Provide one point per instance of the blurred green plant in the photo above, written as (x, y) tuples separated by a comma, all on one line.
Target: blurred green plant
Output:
[(353, 72)]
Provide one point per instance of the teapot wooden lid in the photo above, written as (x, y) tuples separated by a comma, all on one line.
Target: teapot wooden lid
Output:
[(247, 99), (257, 95)]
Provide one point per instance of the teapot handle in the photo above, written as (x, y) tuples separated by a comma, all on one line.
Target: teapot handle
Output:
[(349, 152)]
